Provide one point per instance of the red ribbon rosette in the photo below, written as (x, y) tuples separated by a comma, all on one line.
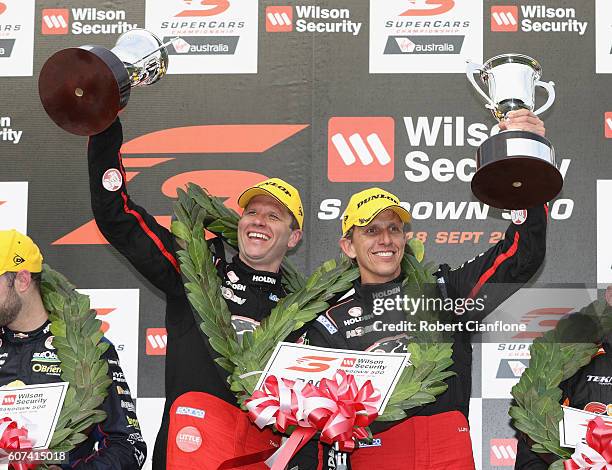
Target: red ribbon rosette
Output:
[(596, 454), (13, 438), (337, 408)]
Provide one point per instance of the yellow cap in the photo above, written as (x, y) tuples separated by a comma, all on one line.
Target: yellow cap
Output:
[(18, 253), (367, 204), (282, 191)]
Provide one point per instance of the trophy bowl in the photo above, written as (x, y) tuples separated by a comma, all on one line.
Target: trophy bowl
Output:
[(82, 89), (515, 169)]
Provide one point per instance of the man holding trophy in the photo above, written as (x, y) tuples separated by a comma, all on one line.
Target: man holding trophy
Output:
[(516, 170), (372, 234)]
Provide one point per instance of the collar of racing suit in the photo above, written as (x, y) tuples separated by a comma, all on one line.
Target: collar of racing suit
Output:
[(253, 277), (27, 336), (386, 289)]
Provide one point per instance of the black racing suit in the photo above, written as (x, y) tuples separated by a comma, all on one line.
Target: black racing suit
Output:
[(510, 263), (30, 358), (151, 248), (589, 389)]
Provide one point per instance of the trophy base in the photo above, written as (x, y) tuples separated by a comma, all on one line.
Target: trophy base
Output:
[(83, 88), (516, 170)]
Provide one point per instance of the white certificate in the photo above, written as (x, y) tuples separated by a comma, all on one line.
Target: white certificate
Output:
[(35, 407), (299, 362), (573, 426)]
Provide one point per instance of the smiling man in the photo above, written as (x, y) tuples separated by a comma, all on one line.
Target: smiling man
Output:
[(373, 234), (270, 225)]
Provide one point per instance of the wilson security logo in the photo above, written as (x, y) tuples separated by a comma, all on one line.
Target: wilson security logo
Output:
[(279, 19), (55, 21), (536, 18), (504, 18), (360, 149), (608, 125), (157, 340), (503, 452), (85, 21), (311, 19)]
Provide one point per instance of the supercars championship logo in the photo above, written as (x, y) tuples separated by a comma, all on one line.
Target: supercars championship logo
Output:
[(221, 140)]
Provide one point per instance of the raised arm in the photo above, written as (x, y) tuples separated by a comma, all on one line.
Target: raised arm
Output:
[(127, 226)]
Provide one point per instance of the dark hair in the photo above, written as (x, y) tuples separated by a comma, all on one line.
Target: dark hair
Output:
[(36, 279)]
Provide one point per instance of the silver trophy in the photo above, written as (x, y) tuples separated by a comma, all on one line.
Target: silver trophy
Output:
[(515, 169), (83, 88)]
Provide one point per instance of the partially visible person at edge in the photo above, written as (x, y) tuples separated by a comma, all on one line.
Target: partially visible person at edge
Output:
[(584, 391), (25, 337), (373, 235), (270, 224)]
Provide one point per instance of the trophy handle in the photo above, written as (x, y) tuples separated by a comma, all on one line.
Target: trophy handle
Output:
[(550, 88), (470, 69)]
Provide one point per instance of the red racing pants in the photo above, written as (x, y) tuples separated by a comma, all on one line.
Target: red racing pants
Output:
[(205, 432), (438, 442)]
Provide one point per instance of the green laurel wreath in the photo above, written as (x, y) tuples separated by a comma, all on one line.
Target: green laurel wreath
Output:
[(538, 410), (197, 210), (77, 342)]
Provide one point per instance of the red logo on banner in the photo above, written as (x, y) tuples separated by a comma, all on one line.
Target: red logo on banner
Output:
[(434, 7), (157, 339), (312, 364), (222, 139), (2, 7), (279, 19), (608, 125), (55, 21), (360, 149), (208, 8), (9, 400), (100, 312), (504, 18), (541, 320), (503, 452), (348, 362)]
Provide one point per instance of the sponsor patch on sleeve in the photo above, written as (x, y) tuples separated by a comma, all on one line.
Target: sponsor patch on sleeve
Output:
[(518, 217), (323, 320), (112, 180), (186, 410)]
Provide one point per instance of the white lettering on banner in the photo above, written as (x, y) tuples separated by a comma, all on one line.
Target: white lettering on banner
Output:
[(92, 14), (306, 12), (453, 131), (570, 25), (7, 134), (560, 209), (81, 15)]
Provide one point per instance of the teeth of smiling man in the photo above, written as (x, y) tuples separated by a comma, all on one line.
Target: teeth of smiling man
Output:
[(384, 253), (258, 235)]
